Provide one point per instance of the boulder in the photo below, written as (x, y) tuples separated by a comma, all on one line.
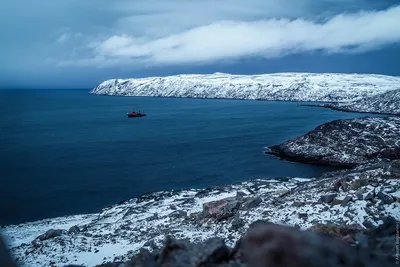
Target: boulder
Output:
[(52, 233), (178, 214), (74, 230), (346, 200), (252, 203), (387, 199), (220, 209), (327, 198), (237, 223)]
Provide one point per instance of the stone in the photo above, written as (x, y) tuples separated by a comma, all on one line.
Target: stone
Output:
[(220, 209), (369, 196), (328, 198), (368, 224), (237, 223), (74, 230), (346, 200), (172, 207), (303, 215), (356, 184), (387, 199), (252, 203), (52, 233), (240, 195), (178, 214), (152, 217), (336, 201)]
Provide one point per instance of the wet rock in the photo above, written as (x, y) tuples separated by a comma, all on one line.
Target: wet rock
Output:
[(220, 209), (327, 198), (252, 203), (178, 214), (52, 233)]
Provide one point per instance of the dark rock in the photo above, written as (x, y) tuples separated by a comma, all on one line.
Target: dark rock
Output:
[(152, 217), (220, 209), (74, 230), (182, 253), (178, 214), (172, 207), (356, 184), (336, 201), (258, 222), (368, 224), (237, 223), (327, 198), (303, 215), (240, 195), (252, 203), (52, 233), (298, 204), (369, 196), (344, 143), (387, 199), (346, 200)]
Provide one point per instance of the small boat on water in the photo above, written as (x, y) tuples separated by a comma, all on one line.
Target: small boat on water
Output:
[(135, 114)]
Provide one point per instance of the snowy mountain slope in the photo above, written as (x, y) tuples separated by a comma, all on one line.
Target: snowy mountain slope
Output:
[(280, 86), (385, 103)]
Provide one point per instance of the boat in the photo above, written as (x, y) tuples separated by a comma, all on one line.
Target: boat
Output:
[(135, 114)]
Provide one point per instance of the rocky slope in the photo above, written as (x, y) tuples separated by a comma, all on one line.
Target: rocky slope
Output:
[(280, 86), (345, 142), (365, 196), (385, 103)]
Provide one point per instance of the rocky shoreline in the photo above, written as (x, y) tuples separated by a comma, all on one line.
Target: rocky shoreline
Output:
[(346, 143), (247, 223)]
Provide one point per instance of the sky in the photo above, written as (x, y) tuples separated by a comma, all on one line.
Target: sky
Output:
[(78, 44)]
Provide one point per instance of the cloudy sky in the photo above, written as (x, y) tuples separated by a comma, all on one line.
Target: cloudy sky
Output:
[(77, 44)]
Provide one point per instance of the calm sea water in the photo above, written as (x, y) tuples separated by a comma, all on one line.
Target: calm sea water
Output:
[(69, 152)]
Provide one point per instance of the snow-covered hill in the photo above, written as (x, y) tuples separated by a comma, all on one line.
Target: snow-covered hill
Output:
[(280, 86), (386, 103)]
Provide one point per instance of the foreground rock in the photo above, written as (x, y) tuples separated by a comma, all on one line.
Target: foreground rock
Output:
[(385, 103), (345, 142), (263, 245), (119, 232), (327, 87)]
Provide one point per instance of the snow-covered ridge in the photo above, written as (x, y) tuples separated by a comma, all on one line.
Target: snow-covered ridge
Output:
[(386, 103), (326, 87)]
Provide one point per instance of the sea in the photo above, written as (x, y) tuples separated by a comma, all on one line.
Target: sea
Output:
[(66, 152)]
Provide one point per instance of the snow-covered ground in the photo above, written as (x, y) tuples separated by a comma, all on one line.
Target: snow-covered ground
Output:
[(328, 87), (385, 103), (120, 231)]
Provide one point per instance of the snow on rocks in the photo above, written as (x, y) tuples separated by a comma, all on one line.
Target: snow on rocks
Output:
[(384, 103), (345, 142), (328, 87), (118, 232)]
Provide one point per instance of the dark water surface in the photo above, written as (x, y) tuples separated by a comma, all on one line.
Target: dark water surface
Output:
[(69, 152)]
